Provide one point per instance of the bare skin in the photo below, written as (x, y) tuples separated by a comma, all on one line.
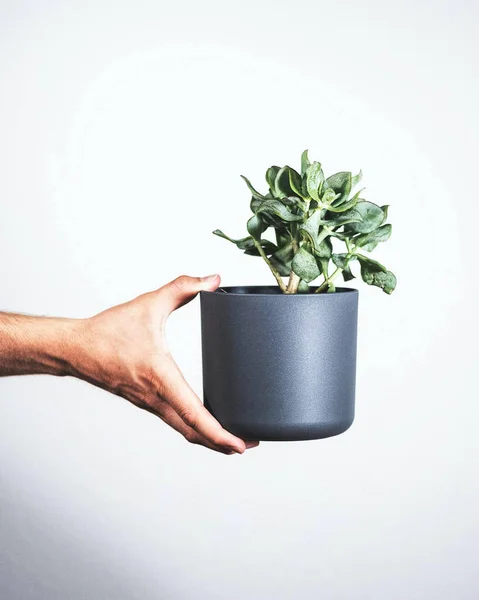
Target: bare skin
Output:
[(124, 351)]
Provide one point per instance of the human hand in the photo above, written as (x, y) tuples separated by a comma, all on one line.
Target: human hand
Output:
[(124, 350)]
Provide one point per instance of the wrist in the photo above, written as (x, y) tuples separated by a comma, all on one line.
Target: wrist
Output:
[(54, 345), (71, 343), (82, 354)]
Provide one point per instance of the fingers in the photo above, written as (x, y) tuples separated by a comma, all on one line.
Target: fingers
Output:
[(184, 288), (186, 412), (171, 418), (175, 390)]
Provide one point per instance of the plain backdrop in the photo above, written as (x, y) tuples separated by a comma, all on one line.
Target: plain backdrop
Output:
[(124, 127)]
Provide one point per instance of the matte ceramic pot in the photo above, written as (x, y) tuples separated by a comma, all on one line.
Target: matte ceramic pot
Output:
[(279, 366)]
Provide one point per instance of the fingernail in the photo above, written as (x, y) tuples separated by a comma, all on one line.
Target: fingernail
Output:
[(209, 278), (250, 445)]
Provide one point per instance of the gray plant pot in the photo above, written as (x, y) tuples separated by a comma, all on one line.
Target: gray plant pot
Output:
[(278, 366)]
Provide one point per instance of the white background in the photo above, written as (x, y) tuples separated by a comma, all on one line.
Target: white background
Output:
[(124, 127)]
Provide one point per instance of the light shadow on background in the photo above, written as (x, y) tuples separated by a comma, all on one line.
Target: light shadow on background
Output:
[(44, 558)]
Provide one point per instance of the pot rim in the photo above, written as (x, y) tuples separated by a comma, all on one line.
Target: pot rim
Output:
[(274, 291)]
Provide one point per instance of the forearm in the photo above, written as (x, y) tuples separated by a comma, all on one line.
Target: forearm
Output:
[(34, 345)]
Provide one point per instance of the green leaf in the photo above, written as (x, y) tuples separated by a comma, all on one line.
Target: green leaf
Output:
[(323, 264), (281, 259), (256, 226), (271, 220), (304, 189), (386, 281), (314, 180), (373, 265), (355, 179), (374, 273), (247, 244), (340, 260), (278, 209), (347, 274), (304, 163), (303, 287), (371, 217), (370, 247), (310, 232), (268, 247), (304, 265), (371, 239), (281, 183), (324, 249), (242, 243), (283, 236), (351, 203), (271, 176), (328, 197), (310, 228), (295, 182), (341, 236), (294, 201), (345, 218), (341, 184), (256, 195), (385, 211), (254, 204)]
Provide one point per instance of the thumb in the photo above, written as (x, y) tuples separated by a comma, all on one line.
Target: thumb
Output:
[(184, 288)]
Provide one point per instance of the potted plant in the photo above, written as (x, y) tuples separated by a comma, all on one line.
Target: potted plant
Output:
[(279, 362)]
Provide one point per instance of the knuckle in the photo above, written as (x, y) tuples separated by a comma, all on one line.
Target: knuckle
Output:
[(151, 378), (191, 436), (160, 406), (143, 401), (190, 417), (182, 282)]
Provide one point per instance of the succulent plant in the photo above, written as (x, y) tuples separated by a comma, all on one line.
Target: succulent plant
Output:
[(311, 215)]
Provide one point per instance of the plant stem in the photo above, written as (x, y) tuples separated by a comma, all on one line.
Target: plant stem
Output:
[(293, 283), (277, 276), (294, 279), (328, 280)]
